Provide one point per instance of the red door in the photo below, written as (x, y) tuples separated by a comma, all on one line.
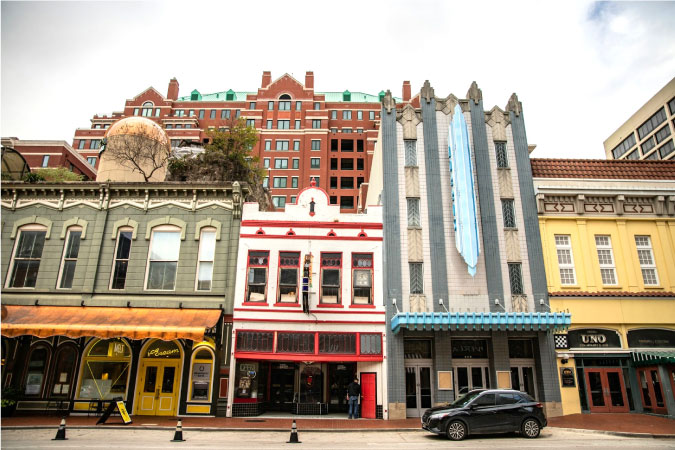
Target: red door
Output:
[(606, 390), (652, 394), (368, 395)]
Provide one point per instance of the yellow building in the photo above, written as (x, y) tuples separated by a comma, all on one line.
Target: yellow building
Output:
[(608, 236)]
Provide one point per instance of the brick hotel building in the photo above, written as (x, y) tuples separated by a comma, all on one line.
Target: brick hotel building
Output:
[(328, 136)]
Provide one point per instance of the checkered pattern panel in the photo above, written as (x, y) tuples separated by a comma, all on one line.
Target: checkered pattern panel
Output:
[(561, 341)]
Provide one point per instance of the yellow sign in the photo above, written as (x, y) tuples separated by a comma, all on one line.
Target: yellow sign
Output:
[(123, 412)]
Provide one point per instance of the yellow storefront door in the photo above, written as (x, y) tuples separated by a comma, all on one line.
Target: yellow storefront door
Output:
[(158, 388)]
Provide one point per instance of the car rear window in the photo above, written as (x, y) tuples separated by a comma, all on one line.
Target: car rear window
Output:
[(524, 398)]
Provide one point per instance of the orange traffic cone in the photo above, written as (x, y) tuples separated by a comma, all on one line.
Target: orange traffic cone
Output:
[(294, 435), (178, 435), (61, 433)]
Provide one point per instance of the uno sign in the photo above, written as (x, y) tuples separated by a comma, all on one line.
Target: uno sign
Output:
[(593, 338)]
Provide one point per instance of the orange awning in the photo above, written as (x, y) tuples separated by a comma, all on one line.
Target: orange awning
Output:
[(107, 322)]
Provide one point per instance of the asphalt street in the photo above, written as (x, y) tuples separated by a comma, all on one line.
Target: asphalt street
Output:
[(101, 438)]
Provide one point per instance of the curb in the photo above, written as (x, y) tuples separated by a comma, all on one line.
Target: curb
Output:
[(619, 433)]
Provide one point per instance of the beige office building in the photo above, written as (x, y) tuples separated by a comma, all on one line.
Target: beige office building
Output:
[(648, 134)]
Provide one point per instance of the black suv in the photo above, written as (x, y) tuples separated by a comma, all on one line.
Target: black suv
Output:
[(487, 411)]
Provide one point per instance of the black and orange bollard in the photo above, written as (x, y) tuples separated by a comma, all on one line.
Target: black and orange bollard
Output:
[(178, 435), (294, 435), (61, 433)]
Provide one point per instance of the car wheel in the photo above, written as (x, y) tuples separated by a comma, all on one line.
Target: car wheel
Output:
[(456, 430), (530, 428)]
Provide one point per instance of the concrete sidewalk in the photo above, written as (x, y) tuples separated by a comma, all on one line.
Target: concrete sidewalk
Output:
[(628, 424)]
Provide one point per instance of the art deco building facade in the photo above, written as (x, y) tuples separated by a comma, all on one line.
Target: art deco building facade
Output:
[(648, 134), (328, 136)]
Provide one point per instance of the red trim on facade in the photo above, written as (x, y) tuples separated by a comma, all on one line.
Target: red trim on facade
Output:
[(307, 237), (314, 311), (356, 322), (281, 305), (308, 224), (330, 305), (305, 357), (362, 306), (255, 304)]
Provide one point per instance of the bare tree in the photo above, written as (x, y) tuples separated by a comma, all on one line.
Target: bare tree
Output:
[(139, 149)]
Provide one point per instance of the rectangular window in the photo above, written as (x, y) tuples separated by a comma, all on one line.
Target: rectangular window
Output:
[(225, 114), (337, 343), (316, 144), (207, 251), (502, 158), (266, 163), (666, 149), (188, 125), (359, 115), (315, 163), (416, 278), (359, 182), (371, 344), (359, 147), (284, 105), (121, 259), (333, 164), (27, 255), (346, 130), (279, 202), (333, 182), (362, 278), (346, 164), (163, 260), (281, 163), (212, 115), (650, 276), (45, 161), (250, 123), (95, 144), (237, 113), (251, 105), (179, 113), (297, 124), (283, 124), (603, 245), (333, 114), (317, 105), (565, 259), (296, 163), (295, 342), (316, 179), (282, 145), (359, 164), (347, 145), (413, 212), (509, 212), (80, 145), (316, 123), (270, 123), (346, 115), (298, 106), (178, 125), (91, 160), (671, 106), (371, 115), (516, 278), (146, 112), (289, 263), (157, 112), (280, 182), (268, 145), (270, 106), (654, 121), (331, 274), (266, 182), (296, 146), (69, 258), (293, 197), (136, 111), (258, 262), (347, 202), (624, 146), (169, 126), (191, 113), (347, 183), (255, 341), (294, 183)]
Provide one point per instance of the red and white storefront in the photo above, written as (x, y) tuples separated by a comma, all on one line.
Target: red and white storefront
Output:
[(308, 310)]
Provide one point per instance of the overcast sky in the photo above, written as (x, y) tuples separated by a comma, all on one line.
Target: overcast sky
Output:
[(579, 68)]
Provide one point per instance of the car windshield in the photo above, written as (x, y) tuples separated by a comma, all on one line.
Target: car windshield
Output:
[(462, 401)]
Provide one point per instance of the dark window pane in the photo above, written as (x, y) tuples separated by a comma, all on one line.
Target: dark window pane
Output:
[(30, 244), (124, 245), (331, 277), (295, 342), (289, 276), (167, 380), (162, 275), (150, 379), (337, 343), (371, 344), (68, 274), (25, 273), (257, 275), (254, 341), (73, 248), (120, 274), (485, 400)]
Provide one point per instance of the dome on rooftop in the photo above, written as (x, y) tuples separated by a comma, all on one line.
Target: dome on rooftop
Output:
[(138, 126)]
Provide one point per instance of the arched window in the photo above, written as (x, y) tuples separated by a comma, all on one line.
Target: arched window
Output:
[(147, 109), (38, 359), (64, 367), (201, 374), (105, 370), (26, 256), (163, 258), (284, 102)]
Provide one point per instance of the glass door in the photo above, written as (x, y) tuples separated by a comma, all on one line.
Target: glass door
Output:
[(468, 377), (650, 386), (606, 390), (418, 396), (523, 379)]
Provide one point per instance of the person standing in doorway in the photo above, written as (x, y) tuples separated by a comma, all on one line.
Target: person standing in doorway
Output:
[(353, 393)]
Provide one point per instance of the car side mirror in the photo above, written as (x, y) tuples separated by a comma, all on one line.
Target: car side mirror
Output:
[(473, 406)]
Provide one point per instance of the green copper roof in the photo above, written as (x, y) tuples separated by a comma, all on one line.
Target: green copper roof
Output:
[(333, 97), (219, 96)]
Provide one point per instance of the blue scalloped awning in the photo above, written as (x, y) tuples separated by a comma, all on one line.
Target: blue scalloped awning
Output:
[(512, 321)]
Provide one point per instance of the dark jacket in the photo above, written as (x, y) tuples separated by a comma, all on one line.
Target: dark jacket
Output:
[(354, 389)]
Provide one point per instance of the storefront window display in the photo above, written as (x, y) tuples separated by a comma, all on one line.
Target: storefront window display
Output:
[(105, 370), (202, 366), (35, 373), (66, 357), (311, 384), (251, 381)]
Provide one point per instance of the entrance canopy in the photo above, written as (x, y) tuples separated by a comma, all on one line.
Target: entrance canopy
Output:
[(107, 322), (511, 321), (653, 357)]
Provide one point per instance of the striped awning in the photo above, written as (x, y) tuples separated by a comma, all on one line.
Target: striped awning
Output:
[(107, 322), (653, 357), (507, 321)]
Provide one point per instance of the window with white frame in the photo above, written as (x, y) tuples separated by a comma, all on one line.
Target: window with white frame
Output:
[(207, 251), (163, 258), (258, 262), (603, 245), (266, 163), (410, 153), (121, 259), (284, 124), (315, 163), (296, 145), (346, 115), (91, 160), (362, 278), (294, 183), (316, 144), (289, 263), (282, 145), (45, 161), (281, 163), (296, 163), (413, 212), (416, 278), (331, 274), (565, 259), (650, 276), (268, 144), (69, 258), (280, 182), (279, 202), (147, 109), (25, 262)]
